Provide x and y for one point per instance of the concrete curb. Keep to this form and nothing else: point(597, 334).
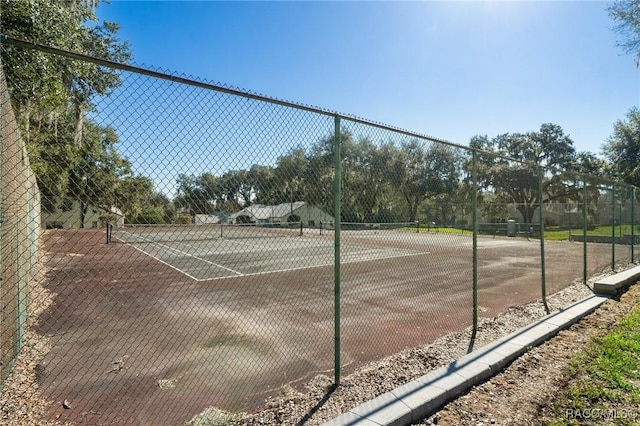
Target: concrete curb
point(423, 396)
point(613, 283)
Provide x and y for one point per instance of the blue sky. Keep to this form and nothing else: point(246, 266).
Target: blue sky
point(446, 69)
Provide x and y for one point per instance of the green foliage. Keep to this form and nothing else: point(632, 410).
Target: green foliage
point(623, 148)
point(198, 194)
point(606, 375)
point(380, 183)
point(95, 178)
point(51, 81)
point(72, 157)
point(183, 219)
point(626, 13)
point(140, 203)
point(518, 181)
point(421, 172)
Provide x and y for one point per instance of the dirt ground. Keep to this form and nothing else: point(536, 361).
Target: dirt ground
point(525, 392)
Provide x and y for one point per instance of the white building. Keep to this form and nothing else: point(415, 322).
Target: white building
point(210, 219)
point(284, 213)
point(67, 218)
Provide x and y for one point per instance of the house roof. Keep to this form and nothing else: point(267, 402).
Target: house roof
point(262, 212)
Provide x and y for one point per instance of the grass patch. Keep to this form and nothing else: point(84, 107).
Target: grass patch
point(557, 235)
point(441, 230)
point(605, 231)
point(604, 380)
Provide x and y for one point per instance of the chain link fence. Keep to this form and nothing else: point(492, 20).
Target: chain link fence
point(19, 233)
point(207, 246)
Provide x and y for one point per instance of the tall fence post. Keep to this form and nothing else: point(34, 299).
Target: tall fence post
point(633, 224)
point(541, 215)
point(474, 207)
point(584, 232)
point(613, 226)
point(337, 219)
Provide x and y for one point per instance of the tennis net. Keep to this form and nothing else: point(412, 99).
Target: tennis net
point(372, 227)
point(133, 234)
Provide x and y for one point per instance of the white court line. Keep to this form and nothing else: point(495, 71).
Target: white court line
point(359, 258)
point(168, 264)
point(186, 254)
point(310, 267)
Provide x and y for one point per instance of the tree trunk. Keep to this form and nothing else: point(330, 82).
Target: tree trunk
point(413, 210)
point(83, 213)
point(77, 135)
point(527, 210)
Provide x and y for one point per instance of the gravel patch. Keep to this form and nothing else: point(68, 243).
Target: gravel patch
point(20, 401)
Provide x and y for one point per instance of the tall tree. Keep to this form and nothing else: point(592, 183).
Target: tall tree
point(548, 147)
point(237, 188)
point(419, 172)
point(320, 171)
point(370, 181)
point(95, 181)
point(623, 148)
point(265, 185)
point(140, 203)
point(626, 13)
point(199, 194)
point(291, 178)
point(50, 94)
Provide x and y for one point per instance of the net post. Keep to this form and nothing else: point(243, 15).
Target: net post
point(417, 226)
point(301, 228)
point(109, 232)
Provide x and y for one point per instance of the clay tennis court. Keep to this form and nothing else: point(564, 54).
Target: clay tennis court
point(153, 332)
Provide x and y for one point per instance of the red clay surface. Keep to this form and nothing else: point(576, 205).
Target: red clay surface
point(135, 341)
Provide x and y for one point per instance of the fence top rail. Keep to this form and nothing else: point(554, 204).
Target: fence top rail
point(245, 94)
point(210, 86)
point(241, 93)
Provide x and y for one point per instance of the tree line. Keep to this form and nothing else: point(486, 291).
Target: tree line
point(76, 160)
point(380, 183)
point(411, 180)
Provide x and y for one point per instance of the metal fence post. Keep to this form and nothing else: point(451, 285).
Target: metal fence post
point(542, 264)
point(613, 226)
point(21, 310)
point(337, 219)
point(474, 201)
point(584, 231)
point(633, 224)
